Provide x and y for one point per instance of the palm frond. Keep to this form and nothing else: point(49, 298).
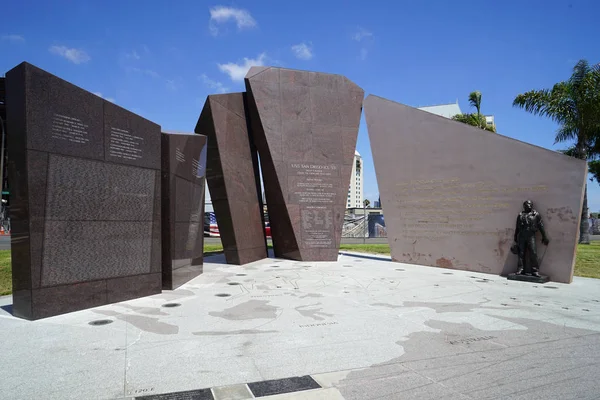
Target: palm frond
point(475, 100)
point(565, 133)
point(580, 71)
point(571, 152)
point(594, 170)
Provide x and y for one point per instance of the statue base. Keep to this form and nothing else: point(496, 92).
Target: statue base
point(528, 278)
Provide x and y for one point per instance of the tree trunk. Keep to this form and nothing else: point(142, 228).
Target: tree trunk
point(584, 227)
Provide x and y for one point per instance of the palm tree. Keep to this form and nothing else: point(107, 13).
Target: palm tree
point(475, 101)
point(575, 106)
point(477, 119)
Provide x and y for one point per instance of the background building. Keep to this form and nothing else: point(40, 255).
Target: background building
point(489, 121)
point(355, 191)
point(444, 110)
point(452, 109)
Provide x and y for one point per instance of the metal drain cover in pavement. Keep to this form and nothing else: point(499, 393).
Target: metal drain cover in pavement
point(222, 295)
point(240, 274)
point(99, 322)
point(233, 283)
point(171, 305)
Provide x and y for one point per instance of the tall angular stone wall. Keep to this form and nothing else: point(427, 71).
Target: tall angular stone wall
point(451, 192)
point(232, 178)
point(183, 169)
point(86, 197)
point(305, 126)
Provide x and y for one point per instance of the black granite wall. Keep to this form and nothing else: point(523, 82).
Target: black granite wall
point(183, 171)
point(86, 197)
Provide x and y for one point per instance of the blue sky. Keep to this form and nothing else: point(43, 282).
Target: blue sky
point(161, 59)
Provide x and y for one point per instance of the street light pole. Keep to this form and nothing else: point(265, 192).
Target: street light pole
point(364, 222)
point(2, 158)
point(2, 208)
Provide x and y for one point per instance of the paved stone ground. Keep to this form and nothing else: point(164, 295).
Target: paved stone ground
point(363, 328)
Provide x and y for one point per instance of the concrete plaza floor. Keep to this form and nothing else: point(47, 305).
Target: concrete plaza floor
point(363, 328)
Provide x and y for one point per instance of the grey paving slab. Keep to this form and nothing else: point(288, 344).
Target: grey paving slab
point(362, 327)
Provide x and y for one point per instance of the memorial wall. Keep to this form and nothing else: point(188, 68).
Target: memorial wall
point(183, 173)
point(86, 197)
point(305, 126)
point(233, 178)
point(451, 192)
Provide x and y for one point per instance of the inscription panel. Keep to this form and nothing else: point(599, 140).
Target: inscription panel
point(317, 227)
point(130, 139)
point(314, 187)
point(432, 208)
point(451, 193)
point(80, 251)
point(313, 183)
point(61, 117)
point(81, 189)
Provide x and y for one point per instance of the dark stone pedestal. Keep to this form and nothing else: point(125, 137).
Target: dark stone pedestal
point(528, 278)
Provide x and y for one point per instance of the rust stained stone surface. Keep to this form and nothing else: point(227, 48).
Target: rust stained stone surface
point(85, 197)
point(305, 126)
point(230, 175)
point(183, 169)
point(451, 192)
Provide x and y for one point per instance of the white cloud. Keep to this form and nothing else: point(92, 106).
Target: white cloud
point(76, 56)
point(363, 53)
point(222, 14)
point(303, 51)
point(361, 34)
point(133, 55)
point(148, 72)
point(105, 98)
point(215, 85)
point(13, 38)
point(237, 72)
point(171, 84)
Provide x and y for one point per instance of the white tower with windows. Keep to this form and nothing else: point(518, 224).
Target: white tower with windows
point(355, 192)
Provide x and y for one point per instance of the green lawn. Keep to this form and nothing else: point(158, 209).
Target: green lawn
point(212, 248)
point(5, 273)
point(587, 264)
point(588, 260)
point(367, 248)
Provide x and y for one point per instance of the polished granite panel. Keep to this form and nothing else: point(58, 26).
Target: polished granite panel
point(305, 126)
point(451, 192)
point(232, 178)
point(126, 138)
point(76, 186)
point(183, 172)
point(131, 287)
point(80, 251)
point(85, 189)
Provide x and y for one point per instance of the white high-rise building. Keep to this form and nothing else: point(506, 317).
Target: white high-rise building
point(355, 191)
